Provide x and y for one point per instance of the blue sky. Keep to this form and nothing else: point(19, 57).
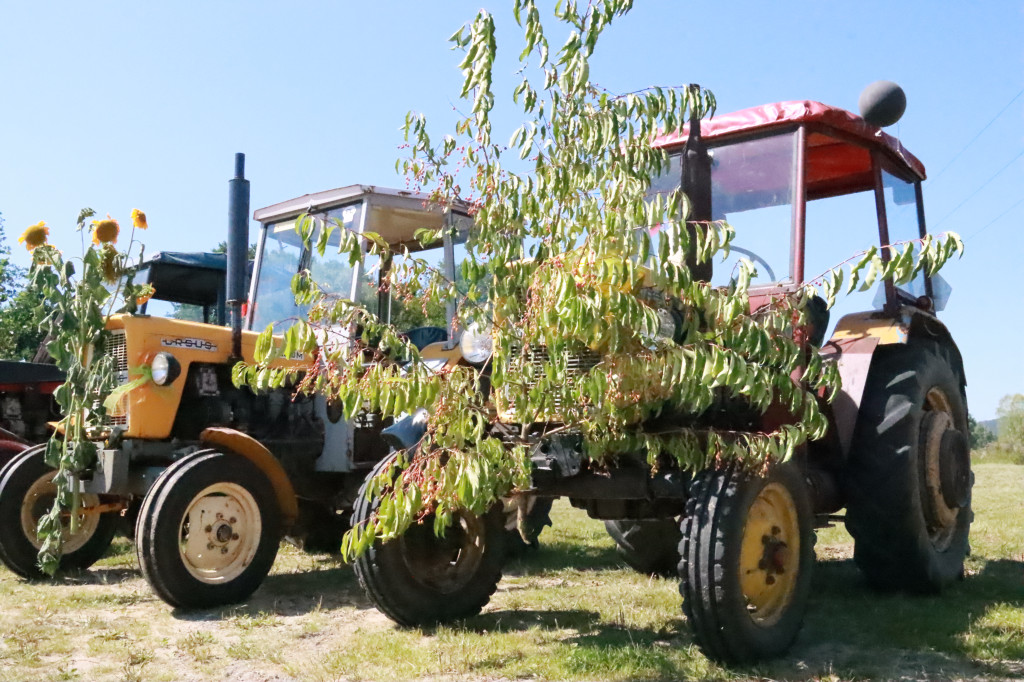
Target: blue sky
point(116, 105)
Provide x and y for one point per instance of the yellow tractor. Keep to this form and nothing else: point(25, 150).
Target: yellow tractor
point(218, 475)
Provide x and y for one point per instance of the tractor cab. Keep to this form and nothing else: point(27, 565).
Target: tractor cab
point(807, 186)
point(395, 216)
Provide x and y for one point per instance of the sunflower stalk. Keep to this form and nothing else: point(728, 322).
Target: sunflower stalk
point(82, 293)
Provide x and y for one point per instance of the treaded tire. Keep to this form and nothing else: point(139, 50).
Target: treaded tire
point(886, 495)
point(648, 546)
point(17, 550)
point(537, 519)
point(397, 581)
point(727, 622)
point(195, 486)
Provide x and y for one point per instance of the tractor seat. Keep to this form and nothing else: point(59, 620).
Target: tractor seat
point(421, 337)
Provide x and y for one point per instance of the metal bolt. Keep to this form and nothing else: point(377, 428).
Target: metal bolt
point(232, 520)
point(224, 550)
point(219, 515)
point(769, 580)
point(209, 529)
point(234, 536)
point(776, 530)
point(209, 545)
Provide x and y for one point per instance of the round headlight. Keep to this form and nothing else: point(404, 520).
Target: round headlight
point(668, 325)
point(476, 344)
point(165, 369)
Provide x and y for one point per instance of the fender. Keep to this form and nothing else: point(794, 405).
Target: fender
point(853, 345)
point(250, 448)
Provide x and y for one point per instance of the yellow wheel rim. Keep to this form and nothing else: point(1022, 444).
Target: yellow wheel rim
point(220, 533)
point(770, 554)
point(39, 500)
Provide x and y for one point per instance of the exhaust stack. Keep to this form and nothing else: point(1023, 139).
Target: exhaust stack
point(238, 251)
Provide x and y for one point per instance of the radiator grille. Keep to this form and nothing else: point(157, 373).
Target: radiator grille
point(577, 364)
point(116, 346)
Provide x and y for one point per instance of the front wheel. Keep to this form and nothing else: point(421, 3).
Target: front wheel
point(27, 492)
point(747, 555)
point(421, 579)
point(208, 531)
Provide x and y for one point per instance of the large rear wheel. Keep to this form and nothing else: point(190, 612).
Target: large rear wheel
point(649, 546)
point(421, 579)
point(27, 492)
point(208, 531)
point(908, 479)
point(747, 555)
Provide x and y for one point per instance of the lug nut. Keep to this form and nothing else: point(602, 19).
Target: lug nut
point(209, 545)
point(769, 580)
point(209, 529)
point(234, 536)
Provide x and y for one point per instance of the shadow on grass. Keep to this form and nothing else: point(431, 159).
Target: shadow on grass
point(328, 585)
point(558, 556)
point(853, 631)
point(599, 647)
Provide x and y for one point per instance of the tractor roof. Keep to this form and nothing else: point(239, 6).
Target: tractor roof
point(838, 142)
point(193, 278)
point(394, 214)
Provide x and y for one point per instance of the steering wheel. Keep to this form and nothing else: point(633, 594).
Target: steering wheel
point(756, 258)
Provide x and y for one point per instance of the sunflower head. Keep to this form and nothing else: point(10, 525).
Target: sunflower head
point(105, 231)
point(139, 219)
point(35, 235)
point(109, 263)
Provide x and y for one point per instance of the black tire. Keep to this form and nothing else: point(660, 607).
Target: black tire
point(246, 531)
point(537, 519)
point(648, 546)
point(397, 575)
point(23, 477)
point(745, 589)
point(910, 532)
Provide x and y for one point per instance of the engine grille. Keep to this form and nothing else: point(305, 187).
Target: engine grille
point(116, 346)
point(577, 364)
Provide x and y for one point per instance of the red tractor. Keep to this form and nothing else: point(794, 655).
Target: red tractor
point(896, 455)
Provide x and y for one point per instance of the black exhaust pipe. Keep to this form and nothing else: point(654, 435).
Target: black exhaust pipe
point(238, 251)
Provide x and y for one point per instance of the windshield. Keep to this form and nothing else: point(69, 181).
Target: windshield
point(752, 188)
point(406, 315)
point(902, 220)
point(283, 256)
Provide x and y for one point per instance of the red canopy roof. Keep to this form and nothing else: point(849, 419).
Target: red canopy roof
point(822, 115)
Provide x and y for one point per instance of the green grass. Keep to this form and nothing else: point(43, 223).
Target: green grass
point(569, 611)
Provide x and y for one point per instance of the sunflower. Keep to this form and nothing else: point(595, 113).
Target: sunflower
point(35, 235)
point(105, 231)
point(139, 219)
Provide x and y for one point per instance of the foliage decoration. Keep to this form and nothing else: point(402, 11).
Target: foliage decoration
point(81, 293)
point(569, 259)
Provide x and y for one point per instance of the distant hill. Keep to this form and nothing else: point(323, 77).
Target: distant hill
point(992, 425)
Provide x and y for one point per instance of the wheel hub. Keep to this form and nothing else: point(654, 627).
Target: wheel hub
point(38, 501)
point(946, 474)
point(955, 469)
point(769, 555)
point(220, 533)
point(444, 564)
